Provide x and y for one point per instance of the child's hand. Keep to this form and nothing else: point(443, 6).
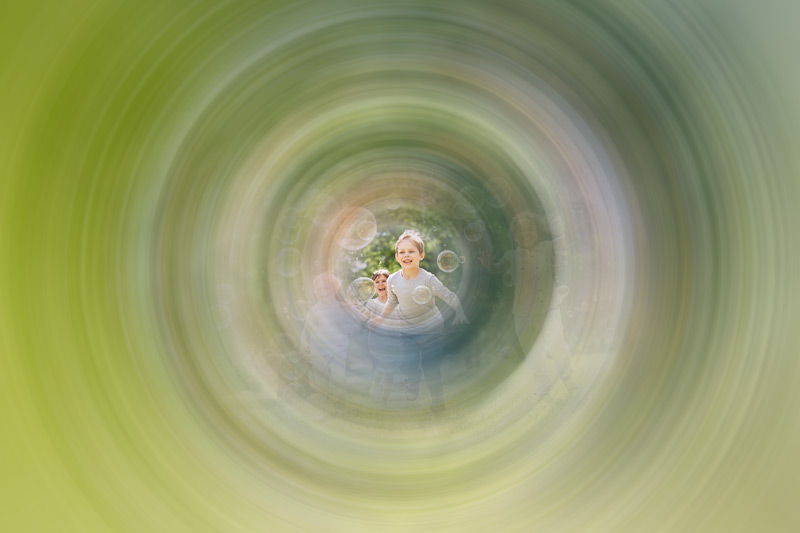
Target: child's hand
point(460, 319)
point(486, 258)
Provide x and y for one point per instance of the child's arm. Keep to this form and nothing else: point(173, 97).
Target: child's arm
point(451, 299)
point(388, 308)
point(487, 259)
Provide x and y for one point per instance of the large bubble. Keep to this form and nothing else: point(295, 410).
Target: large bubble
point(447, 261)
point(361, 290)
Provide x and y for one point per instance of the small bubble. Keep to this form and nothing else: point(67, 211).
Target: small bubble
point(421, 295)
point(393, 203)
point(360, 231)
point(447, 261)
point(475, 230)
point(462, 259)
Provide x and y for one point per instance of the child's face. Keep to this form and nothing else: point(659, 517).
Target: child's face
point(380, 286)
point(408, 255)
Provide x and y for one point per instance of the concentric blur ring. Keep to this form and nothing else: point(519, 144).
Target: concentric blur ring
point(179, 175)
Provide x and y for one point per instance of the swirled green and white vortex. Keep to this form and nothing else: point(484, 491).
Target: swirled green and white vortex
point(606, 188)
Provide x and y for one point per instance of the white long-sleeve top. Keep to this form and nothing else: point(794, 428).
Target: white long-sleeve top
point(418, 316)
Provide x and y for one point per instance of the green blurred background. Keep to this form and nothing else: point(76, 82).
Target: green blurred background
point(173, 174)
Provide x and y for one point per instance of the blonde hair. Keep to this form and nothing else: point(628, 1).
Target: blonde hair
point(380, 272)
point(414, 237)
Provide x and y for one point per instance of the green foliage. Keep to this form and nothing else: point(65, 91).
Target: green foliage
point(437, 232)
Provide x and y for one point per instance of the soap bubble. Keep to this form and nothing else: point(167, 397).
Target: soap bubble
point(366, 229)
point(360, 230)
point(475, 230)
point(447, 261)
point(288, 262)
point(393, 203)
point(421, 295)
point(462, 259)
point(361, 290)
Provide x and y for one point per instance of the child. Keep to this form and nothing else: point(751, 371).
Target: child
point(383, 342)
point(326, 335)
point(532, 272)
point(413, 291)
